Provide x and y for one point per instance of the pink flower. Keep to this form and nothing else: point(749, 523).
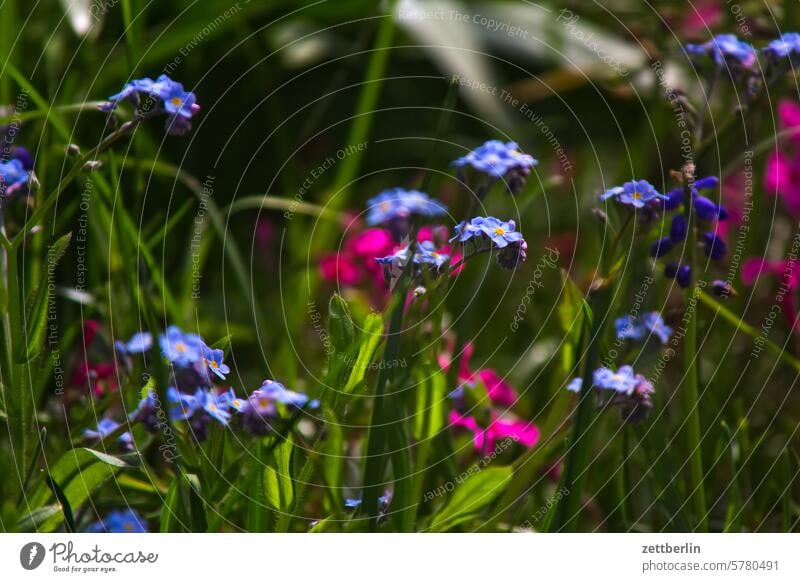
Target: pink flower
point(339, 268)
point(787, 273)
point(703, 15)
point(782, 173)
point(499, 391)
point(485, 439)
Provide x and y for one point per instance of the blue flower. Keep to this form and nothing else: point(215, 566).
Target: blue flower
point(233, 401)
point(628, 327)
point(575, 385)
point(180, 406)
point(104, 428)
point(498, 160)
point(715, 247)
point(139, 343)
point(13, 177)
point(213, 359)
point(681, 273)
point(787, 45)
point(425, 254)
point(355, 502)
point(623, 380)
point(661, 247)
point(654, 323)
point(179, 105)
point(467, 230)
point(279, 393)
point(499, 232)
point(217, 406)
point(398, 203)
point(181, 349)
point(724, 50)
point(637, 193)
point(120, 521)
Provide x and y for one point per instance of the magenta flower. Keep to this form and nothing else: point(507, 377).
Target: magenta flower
point(485, 439)
point(782, 173)
point(787, 273)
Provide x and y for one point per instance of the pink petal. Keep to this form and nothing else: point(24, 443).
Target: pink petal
point(525, 433)
point(499, 391)
point(371, 243)
point(789, 114)
point(340, 269)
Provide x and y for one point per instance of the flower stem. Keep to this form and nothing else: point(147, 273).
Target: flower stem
point(691, 404)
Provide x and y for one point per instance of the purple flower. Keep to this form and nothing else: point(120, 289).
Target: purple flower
point(715, 247)
point(678, 228)
point(725, 50)
point(721, 288)
point(661, 247)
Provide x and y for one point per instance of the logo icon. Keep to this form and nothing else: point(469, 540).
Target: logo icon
point(31, 555)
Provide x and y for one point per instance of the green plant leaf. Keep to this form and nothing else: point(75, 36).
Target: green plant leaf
point(470, 496)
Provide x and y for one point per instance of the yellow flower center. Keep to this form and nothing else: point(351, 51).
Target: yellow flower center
point(499, 231)
point(637, 195)
point(181, 347)
point(213, 364)
point(385, 205)
point(176, 101)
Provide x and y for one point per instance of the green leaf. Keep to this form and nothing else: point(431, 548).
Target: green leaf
point(184, 509)
point(38, 303)
point(340, 326)
point(34, 520)
point(470, 496)
point(77, 474)
point(277, 479)
point(371, 336)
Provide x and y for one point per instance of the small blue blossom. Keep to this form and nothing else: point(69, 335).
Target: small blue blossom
point(467, 230)
point(279, 393)
point(179, 105)
point(499, 232)
point(231, 400)
point(714, 246)
point(623, 380)
point(355, 502)
point(661, 247)
point(181, 349)
point(213, 359)
point(629, 327)
point(217, 406)
point(104, 428)
point(724, 50)
point(498, 160)
point(637, 193)
point(787, 46)
point(654, 323)
point(139, 343)
point(678, 228)
point(120, 521)
point(575, 385)
point(398, 203)
point(13, 177)
point(425, 254)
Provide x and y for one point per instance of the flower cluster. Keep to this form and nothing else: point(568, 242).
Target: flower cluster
point(488, 424)
point(499, 161)
point(740, 59)
point(489, 233)
point(707, 212)
point(782, 172)
point(120, 521)
point(643, 326)
point(630, 391)
point(395, 208)
point(165, 96)
point(192, 395)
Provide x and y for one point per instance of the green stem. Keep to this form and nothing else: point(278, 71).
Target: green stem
point(690, 393)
